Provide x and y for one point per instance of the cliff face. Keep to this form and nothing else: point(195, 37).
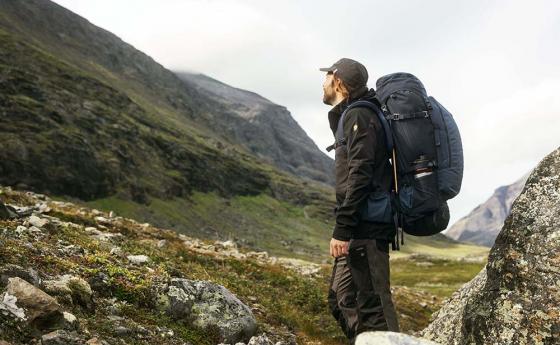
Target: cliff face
point(516, 298)
point(483, 224)
point(266, 129)
point(158, 92)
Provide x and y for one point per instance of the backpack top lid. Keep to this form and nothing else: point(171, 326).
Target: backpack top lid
point(390, 83)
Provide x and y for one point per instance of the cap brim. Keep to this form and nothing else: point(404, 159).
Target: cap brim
point(327, 69)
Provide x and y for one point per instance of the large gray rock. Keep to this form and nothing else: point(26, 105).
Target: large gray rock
point(516, 298)
point(41, 310)
point(208, 305)
point(390, 338)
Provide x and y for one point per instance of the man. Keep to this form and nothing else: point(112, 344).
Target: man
point(360, 295)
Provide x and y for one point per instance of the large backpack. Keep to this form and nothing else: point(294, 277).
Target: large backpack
point(426, 153)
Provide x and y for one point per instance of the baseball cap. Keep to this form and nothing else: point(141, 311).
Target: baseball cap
point(351, 72)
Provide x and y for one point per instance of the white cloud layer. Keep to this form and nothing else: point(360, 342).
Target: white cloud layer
point(493, 64)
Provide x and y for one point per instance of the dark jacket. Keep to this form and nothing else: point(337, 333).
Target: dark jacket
point(361, 167)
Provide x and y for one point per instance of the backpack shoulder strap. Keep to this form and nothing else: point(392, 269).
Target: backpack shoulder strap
point(380, 115)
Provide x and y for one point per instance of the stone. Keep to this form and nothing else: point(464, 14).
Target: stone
point(38, 222)
point(226, 245)
point(6, 212)
point(61, 337)
point(8, 306)
point(390, 338)
point(302, 267)
point(515, 299)
point(260, 340)
point(122, 331)
point(3, 342)
point(96, 341)
point(208, 305)
point(42, 311)
point(72, 289)
point(28, 274)
point(180, 302)
point(70, 321)
point(138, 259)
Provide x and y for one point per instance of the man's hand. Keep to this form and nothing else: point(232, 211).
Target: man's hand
point(339, 248)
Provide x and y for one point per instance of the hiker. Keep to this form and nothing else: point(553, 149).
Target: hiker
point(359, 294)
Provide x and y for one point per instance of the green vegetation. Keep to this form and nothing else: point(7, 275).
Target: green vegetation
point(282, 300)
point(257, 222)
point(440, 277)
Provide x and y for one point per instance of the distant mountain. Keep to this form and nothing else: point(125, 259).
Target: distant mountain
point(266, 129)
point(482, 225)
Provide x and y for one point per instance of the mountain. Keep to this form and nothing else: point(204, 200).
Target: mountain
point(92, 49)
point(88, 118)
point(266, 129)
point(482, 225)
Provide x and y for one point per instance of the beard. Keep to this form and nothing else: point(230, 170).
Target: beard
point(328, 97)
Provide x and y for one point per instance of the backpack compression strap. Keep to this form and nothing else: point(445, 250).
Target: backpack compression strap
point(386, 129)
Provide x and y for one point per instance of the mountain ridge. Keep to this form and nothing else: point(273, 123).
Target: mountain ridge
point(107, 57)
point(483, 223)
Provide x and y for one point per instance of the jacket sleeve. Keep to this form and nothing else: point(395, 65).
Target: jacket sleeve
point(360, 144)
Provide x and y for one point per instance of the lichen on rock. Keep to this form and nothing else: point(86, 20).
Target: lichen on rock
point(516, 298)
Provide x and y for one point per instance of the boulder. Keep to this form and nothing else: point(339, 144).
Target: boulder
point(211, 306)
point(516, 298)
point(71, 289)
point(390, 338)
point(28, 274)
point(41, 310)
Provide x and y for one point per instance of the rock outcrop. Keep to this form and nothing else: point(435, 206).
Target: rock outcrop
point(266, 129)
point(516, 298)
point(482, 225)
point(211, 306)
point(33, 305)
point(390, 338)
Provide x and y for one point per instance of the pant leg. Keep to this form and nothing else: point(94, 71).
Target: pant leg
point(369, 263)
point(342, 298)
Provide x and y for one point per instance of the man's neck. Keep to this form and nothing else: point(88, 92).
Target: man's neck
point(339, 99)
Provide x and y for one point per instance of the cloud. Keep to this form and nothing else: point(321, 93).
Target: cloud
point(494, 65)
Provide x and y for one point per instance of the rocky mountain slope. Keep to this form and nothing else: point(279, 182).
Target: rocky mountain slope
point(75, 275)
point(75, 40)
point(482, 225)
point(515, 299)
point(86, 117)
point(268, 130)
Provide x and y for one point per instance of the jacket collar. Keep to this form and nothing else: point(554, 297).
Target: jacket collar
point(336, 112)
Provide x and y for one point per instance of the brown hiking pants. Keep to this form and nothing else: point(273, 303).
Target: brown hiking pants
point(360, 294)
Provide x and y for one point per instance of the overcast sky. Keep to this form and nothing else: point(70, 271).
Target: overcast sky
point(494, 64)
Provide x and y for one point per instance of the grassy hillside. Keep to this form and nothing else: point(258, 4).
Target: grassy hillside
point(284, 302)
